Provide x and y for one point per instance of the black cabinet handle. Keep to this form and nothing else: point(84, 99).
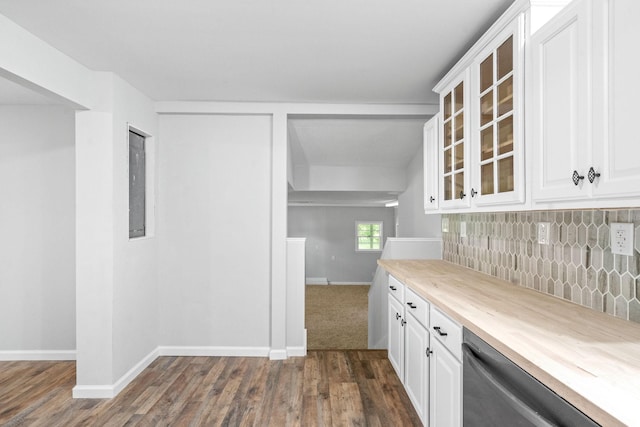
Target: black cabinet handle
point(429, 351)
point(592, 175)
point(462, 194)
point(411, 305)
point(473, 192)
point(437, 329)
point(431, 199)
point(393, 288)
point(576, 177)
point(402, 322)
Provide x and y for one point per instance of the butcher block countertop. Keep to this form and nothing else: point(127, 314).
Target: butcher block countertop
point(591, 359)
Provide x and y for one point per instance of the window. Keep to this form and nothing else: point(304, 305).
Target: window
point(137, 185)
point(368, 236)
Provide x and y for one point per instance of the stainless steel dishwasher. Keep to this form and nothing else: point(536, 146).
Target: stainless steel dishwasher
point(496, 392)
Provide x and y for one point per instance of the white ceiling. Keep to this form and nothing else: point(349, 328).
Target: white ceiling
point(343, 51)
point(335, 51)
point(387, 142)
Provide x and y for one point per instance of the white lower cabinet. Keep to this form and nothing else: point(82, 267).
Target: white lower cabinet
point(445, 387)
point(416, 366)
point(396, 336)
point(425, 349)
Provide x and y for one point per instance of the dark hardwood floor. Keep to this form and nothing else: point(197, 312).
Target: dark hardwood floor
point(326, 388)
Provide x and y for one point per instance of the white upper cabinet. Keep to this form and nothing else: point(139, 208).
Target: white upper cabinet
point(583, 94)
point(431, 170)
point(497, 138)
point(481, 131)
point(454, 144)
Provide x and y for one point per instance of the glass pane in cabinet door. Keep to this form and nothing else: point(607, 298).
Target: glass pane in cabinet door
point(486, 179)
point(486, 108)
point(459, 163)
point(505, 96)
point(486, 143)
point(505, 58)
point(505, 135)
point(486, 73)
point(458, 181)
point(447, 160)
point(447, 106)
point(459, 126)
point(458, 97)
point(505, 174)
point(447, 134)
point(447, 187)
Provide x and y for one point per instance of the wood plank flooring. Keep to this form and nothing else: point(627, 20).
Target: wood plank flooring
point(326, 388)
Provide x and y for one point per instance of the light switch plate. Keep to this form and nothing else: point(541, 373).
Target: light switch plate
point(445, 225)
point(544, 229)
point(621, 236)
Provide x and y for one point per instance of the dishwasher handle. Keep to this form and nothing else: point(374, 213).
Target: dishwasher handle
point(515, 402)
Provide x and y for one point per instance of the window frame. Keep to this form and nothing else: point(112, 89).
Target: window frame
point(149, 187)
point(357, 236)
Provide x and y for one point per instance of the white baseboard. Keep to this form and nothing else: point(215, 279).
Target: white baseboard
point(380, 345)
point(278, 354)
point(213, 351)
point(296, 351)
point(110, 391)
point(316, 281)
point(93, 392)
point(349, 283)
point(40, 355)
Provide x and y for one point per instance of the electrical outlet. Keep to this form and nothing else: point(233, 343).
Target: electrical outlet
point(463, 229)
point(544, 229)
point(621, 236)
point(445, 225)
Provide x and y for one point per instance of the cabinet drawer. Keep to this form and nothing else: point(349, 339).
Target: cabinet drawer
point(417, 306)
point(396, 288)
point(447, 332)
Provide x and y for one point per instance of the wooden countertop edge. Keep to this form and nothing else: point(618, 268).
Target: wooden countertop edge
point(578, 400)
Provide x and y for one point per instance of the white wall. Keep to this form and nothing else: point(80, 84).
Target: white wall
point(412, 221)
point(116, 292)
point(214, 230)
point(330, 246)
point(37, 229)
point(135, 296)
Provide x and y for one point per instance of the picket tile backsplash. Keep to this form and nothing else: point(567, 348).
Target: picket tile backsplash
point(576, 265)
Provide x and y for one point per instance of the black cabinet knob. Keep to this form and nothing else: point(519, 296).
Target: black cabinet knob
point(462, 195)
point(431, 199)
point(576, 177)
point(592, 175)
point(402, 322)
point(473, 192)
point(397, 316)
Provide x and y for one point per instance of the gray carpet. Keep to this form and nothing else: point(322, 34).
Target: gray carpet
point(336, 317)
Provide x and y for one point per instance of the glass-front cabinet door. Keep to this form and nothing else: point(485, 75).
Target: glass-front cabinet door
point(454, 146)
point(498, 142)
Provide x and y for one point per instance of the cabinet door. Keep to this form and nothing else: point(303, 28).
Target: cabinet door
point(396, 336)
point(416, 367)
point(559, 112)
point(454, 147)
point(616, 145)
point(497, 145)
point(431, 143)
point(445, 403)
